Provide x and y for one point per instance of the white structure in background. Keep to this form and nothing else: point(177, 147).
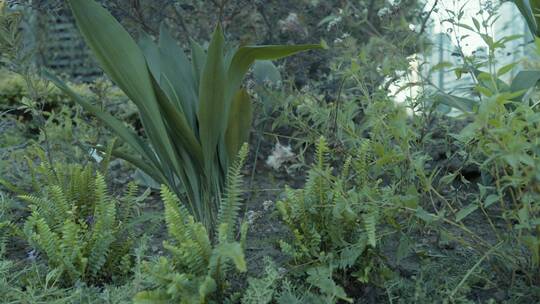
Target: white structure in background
point(509, 23)
point(444, 48)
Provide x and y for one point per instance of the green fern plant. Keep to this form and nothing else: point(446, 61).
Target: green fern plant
point(75, 224)
point(262, 290)
point(197, 268)
point(333, 219)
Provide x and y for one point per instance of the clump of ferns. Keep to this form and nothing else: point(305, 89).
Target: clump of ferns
point(196, 269)
point(333, 219)
point(77, 227)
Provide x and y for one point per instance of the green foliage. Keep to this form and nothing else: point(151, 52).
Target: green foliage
point(262, 290)
point(10, 36)
point(22, 282)
point(350, 199)
point(194, 114)
point(75, 224)
point(197, 270)
point(509, 159)
point(529, 10)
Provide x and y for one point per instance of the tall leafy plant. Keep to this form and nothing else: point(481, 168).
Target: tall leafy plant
point(195, 115)
point(530, 9)
point(197, 270)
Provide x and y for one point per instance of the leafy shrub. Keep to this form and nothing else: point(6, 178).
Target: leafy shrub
point(333, 221)
point(508, 157)
point(78, 227)
point(197, 269)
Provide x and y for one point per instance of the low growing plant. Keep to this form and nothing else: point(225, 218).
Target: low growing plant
point(333, 221)
point(81, 231)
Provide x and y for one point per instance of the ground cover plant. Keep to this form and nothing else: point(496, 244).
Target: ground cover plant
point(343, 159)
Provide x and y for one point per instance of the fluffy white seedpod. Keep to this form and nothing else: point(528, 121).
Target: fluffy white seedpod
point(280, 155)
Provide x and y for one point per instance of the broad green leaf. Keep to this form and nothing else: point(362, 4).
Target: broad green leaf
point(117, 126)
point(241, 61)
point(124, 63)
point(483, 90)
point(490, 199)
point(465, 26)
point(212, 112)
point(117, 53)
point(425, 216)
point(505, 69)
point(239, 123)
point(490, 81)
point(464, 104)
point(151, 53)
point(177, 124)
point(178, 71)
point(529, 10)
point(476, 24)
point(173, 112)
point(198, 61)
point(246, 55)
point(523, 81)
point(463, 213)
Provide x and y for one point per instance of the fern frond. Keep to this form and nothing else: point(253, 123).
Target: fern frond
point(70, 247)
point(46, 239)
point(227, 252)
point(362, 162)
point(152, 297)
point(103, 228)
point(176, 216)
point(321, 153)
point(370, 226)
point(346, 168)
point(104, 165)
point(230, 204)
point(261, 290)
point(61, 204)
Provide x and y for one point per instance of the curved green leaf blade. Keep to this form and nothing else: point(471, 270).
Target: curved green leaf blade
point(239, 124)
point(198, 61)
point(529, 10)
point(523, 81)
point(245, 56)
point(124, 63)
point(176, 67)
point(125, 134)
point(212, 112)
